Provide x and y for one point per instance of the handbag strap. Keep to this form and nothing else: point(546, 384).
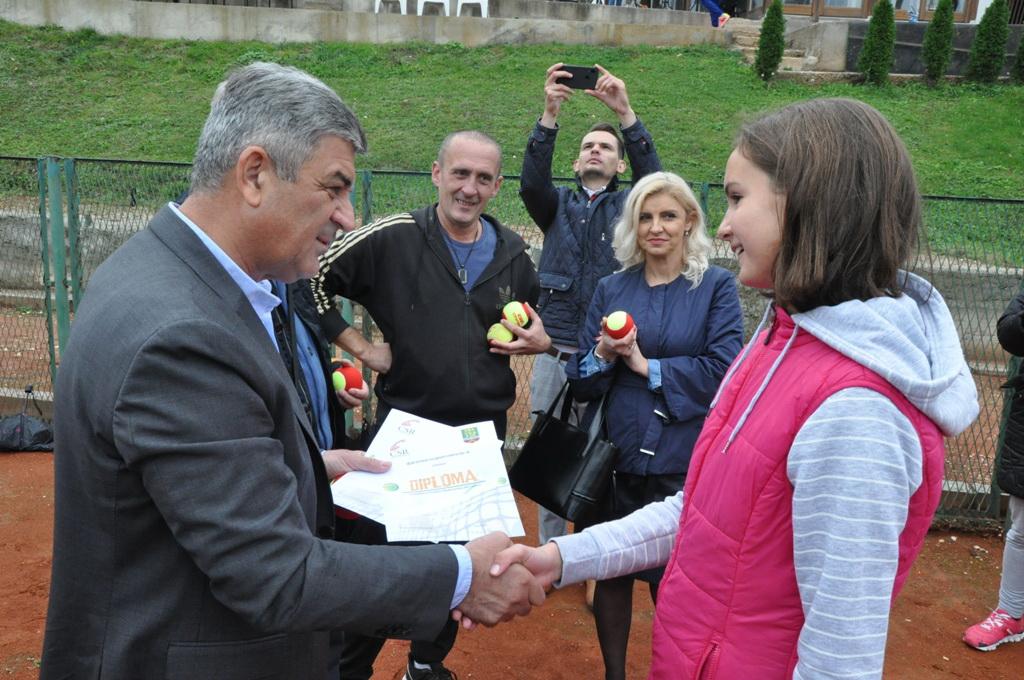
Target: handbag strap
point(566, 405)
point(598, 422)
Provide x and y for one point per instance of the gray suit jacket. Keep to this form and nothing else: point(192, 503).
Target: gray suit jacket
point(189, 492)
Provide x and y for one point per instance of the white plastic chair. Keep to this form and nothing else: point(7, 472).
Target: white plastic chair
point(401, 5)
point(420, 4)
point(482, 3)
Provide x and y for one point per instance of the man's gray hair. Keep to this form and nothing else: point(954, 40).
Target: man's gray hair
point(282, 109)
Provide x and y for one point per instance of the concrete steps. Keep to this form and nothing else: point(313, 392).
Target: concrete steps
point(745, 34)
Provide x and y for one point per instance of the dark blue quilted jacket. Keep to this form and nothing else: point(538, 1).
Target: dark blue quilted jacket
point(577, 231)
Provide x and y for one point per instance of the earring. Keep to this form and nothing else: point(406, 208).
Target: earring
point(686, 233)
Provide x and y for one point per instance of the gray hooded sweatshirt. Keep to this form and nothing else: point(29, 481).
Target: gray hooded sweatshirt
point(854, 465)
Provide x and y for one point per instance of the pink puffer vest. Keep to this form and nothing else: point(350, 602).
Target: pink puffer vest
point(728, 606)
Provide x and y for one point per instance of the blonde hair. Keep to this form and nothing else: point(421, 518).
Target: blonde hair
point(697, 243)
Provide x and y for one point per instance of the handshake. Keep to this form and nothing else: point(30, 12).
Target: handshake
point(508, 579)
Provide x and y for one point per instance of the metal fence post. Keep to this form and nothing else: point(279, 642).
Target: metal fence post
point(705, 189)
point(44, 255)
point(71, 186)
point(57, 250)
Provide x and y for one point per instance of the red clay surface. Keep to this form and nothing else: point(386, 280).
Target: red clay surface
point(952, 585)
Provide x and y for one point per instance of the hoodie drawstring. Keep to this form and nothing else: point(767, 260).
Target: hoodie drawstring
point(743, 355)
point(761, 389)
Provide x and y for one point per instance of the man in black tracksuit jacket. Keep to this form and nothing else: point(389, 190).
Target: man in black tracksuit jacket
point(434, 280)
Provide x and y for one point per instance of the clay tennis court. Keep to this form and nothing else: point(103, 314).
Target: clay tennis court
point(951, 585)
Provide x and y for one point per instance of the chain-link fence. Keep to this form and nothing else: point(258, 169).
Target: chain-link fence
point(25, 356)
point(975, 258)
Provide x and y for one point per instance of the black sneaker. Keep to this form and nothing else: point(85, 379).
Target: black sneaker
point(436, 671)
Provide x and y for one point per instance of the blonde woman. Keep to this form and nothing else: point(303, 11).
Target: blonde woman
point(662, 375)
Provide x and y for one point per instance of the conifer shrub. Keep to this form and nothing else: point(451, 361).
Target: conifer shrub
point(772, 43)
point(876, 56)
point(938, 42)
point(988, 51)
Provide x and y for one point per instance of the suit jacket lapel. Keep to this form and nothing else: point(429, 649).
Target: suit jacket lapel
point(179, 238)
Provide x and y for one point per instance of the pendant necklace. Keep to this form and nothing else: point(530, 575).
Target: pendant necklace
point(463, 275)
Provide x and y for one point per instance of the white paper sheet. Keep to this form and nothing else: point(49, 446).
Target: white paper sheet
point(445, 483)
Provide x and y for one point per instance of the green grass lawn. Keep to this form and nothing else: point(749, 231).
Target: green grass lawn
point(85, 95)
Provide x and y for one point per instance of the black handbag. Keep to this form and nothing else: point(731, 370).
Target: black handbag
point(23, 432)
point(563, 468)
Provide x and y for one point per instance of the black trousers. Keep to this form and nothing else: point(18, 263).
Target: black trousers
point(358, 652)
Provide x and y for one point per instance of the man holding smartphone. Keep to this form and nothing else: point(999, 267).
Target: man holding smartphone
point(577, 221)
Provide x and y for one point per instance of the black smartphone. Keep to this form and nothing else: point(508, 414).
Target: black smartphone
point(583, 77)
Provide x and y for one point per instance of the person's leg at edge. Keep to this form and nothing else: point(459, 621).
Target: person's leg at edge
point(1006, 623)
point(548, 377)
point(1011, 587)
point(714, 11)
point(426, 657)
point(613, 615)
point(432, 654)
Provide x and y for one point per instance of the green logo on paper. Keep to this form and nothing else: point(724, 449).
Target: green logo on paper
point(391, 486)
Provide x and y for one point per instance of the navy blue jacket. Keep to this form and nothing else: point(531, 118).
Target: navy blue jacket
point(577, 232)
point(694, 333)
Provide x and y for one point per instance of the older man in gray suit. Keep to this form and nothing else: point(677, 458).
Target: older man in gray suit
point(192, 504)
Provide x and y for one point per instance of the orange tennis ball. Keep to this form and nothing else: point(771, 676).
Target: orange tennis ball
point(499, 333)
point(618, 324)
point(346, 378)
point(515, 314)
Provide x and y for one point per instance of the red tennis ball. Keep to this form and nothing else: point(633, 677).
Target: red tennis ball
point(618, 324)
point(347, 378)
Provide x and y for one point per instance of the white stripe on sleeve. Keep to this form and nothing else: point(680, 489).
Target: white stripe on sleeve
point(854, 465)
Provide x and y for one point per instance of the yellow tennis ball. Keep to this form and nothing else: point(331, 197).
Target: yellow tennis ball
point(515, 314)
point(338, 379)
point(618, 324)
point(499, 333)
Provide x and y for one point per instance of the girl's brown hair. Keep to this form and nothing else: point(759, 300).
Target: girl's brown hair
point(852, 209)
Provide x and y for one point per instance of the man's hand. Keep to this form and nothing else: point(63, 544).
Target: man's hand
point(545, 563)
point(493, 599)
point(340, 461)
point(531, 340)
point(611, 91)
point(554, 95)
point(352, 397)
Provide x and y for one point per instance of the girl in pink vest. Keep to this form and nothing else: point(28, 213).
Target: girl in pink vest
point(818, 470)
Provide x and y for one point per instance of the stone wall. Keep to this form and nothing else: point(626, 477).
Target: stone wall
point(910, 37)
point(547, 22)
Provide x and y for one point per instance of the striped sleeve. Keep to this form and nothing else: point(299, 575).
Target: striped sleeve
point(638, 541)
point(854, 465)
point(349, 269)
